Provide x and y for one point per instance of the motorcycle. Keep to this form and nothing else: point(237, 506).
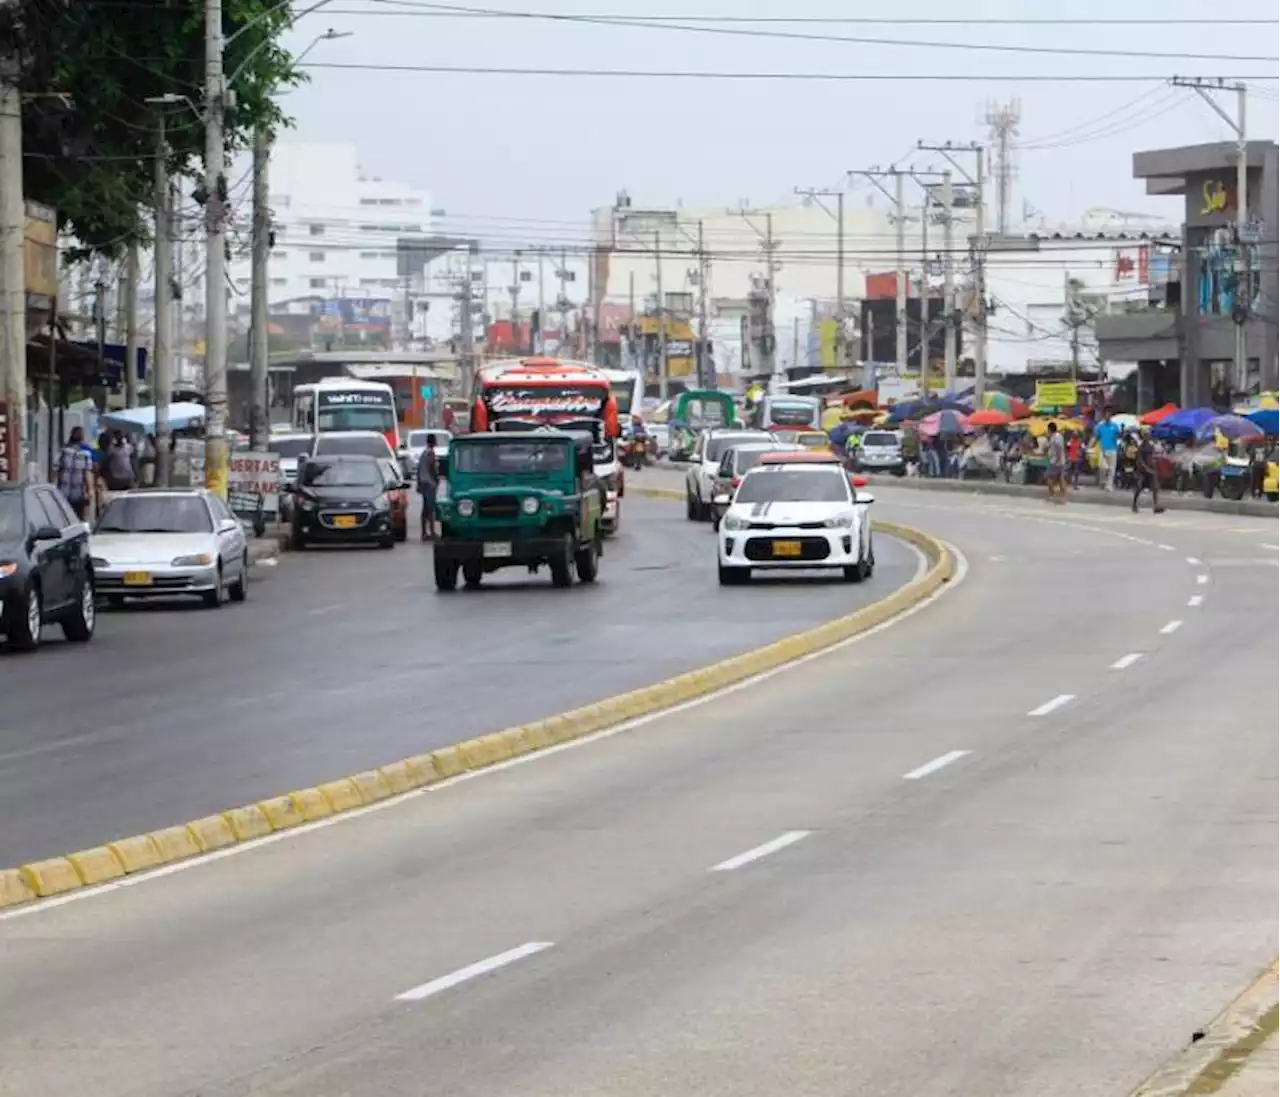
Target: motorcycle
point(635, 452)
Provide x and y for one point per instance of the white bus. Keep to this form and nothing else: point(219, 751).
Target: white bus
point(627, 386)
point(341, 403)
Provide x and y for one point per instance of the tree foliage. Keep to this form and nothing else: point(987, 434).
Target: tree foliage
point(87, 69)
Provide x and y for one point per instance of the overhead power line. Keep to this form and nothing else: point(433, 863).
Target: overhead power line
point(689, 26)
point(697, 74)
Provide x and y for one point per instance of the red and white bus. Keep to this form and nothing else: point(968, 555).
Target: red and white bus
point(341, 403)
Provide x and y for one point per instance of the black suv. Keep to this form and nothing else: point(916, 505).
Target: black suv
point(46, 575)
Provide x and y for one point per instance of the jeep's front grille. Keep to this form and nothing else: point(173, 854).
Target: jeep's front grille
point(499, 506)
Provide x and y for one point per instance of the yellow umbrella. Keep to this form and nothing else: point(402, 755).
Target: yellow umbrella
point(1039, 424)
point(831, 418)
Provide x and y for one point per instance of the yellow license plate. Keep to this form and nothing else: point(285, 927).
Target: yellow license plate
point(786, 548)
point(137, 578)
point(345, 521)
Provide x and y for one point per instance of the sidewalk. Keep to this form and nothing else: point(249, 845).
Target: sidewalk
point(1253, 508)
point(1260, 1075)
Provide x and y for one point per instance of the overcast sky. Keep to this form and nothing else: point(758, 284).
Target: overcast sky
point(551, 148)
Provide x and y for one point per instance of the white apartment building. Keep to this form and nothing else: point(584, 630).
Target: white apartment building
point(336, 227)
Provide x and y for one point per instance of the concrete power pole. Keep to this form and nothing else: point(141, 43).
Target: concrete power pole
point(131, 327)
point(900, 309)
point(664, 376)
point(948, 284)
point(467, 331)
point(259, 305)
point(815, 196)
point(706, 362)
point(162, 345)
point(13, 285)
point(215, 269)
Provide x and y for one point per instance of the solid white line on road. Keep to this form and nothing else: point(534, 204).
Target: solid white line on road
point(1126, 661)
point(1172, 626)
point(1049, 706)
point(472, 971)
point(1195, 600)
point(1264, 544)
point(1202, 579)
point(1165, 548)
point(781, 842)
point(1193, 561)
point(935, 765)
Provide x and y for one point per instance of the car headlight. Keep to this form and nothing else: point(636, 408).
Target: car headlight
point(96, 561)
point(840, 521)
point(200, 560)
point(382, 502)
point(466, 508)
point(8, 569)
point(529, 504)
point(734, 523)
point(308, 504)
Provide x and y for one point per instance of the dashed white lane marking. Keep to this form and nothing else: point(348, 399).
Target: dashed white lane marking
point(320, 611)
point(935, 765)
point(1165, 548)
point(1056, 703)
point(473, 971)
point(1193, 561)
point(780, 842)
point(1263, 544)
point(1126, 661)
point(1202, 579)
point(1195, 600)
point(1172, 626)
point(269, 562)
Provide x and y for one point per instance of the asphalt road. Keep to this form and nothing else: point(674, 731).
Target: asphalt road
point(347, 659)
point(1050, 914)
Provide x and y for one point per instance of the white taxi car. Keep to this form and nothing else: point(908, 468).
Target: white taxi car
point(796, 511)
point(704, 464)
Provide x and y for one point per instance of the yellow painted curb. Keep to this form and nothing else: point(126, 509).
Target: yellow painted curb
point(278, 813)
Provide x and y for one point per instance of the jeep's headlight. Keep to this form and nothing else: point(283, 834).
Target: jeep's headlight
point(732, 523)
point(529, 504)
point(200, 560)
point(840, 521)
point(466, 508)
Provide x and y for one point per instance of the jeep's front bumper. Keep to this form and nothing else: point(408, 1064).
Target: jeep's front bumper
point(524, 550)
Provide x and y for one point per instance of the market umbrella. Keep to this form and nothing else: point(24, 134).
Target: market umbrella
point(921, 409)
point(946, 423)
point(1235, 427)
point(1262, 401)
point(863, 397)
point(1040, 424)
point(1182, 425)
point(1157, 415)
point(989, 417)
point(840, 433)
point(1125, 421)
point(181, 416)
point(1010, 405)
point(1266, 419)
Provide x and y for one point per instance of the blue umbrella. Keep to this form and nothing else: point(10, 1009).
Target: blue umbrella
point(1182, 425)
point(1266, 419)
point(1233, 426)
point(181, 416)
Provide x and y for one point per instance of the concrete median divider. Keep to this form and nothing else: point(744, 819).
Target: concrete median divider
point(114, 860)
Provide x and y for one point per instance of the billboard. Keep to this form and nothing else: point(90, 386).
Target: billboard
point(40, 256)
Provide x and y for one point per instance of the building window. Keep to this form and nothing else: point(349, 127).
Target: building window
point(317, 257)
point(318, 283)
point(279, 255)
point(316, 230)
point(279, 281)
point(368, 201)
point(371, 254)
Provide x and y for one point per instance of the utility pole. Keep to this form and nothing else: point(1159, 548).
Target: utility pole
point(515, 295)
point(706, 362)
point(542, 307)
point(948, 285)
point(816, 196)
point(664, 379)
point(131, 327)
point(13, 285)
point(1240, 313)
point(978, 249)
point(900, 309)
point(467, 330)
point(925, 327)
point(768, 337)
point(215, 268)
point(259, 306)
point(562, 274)
point(161, 362)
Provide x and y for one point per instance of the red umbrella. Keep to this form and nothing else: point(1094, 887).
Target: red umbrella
point(948, 423)
point(989, 417)
point(1151, 418)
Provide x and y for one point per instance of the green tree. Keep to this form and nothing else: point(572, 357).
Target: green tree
point(88, 68)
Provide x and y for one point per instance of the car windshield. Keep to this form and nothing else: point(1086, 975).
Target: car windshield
point(318, 473)
point(156, 514)
point(289, 448)
point(356, 418)
point(372, 445)
point(879, 438)
point(788, 436)
point(623, 393)
point(418, 439)
point(717, 446)
point(12, 525)
point(793, 486)
point(748, 458)
point(508, 457)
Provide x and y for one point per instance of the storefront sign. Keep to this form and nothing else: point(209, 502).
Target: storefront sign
point(253, 483)
point(40, 256)
point(1056, 394)
point(1217, 196)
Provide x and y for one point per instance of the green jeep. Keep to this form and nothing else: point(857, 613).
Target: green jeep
point(519, 498)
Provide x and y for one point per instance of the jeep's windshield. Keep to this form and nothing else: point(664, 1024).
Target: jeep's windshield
point(511, 457)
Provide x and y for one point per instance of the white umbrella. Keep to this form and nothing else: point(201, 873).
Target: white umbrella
point(181, 416)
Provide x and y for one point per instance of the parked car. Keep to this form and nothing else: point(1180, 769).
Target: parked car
point(162, 542)
point(733, 467)
point(418, 442)
point(343, 499)
point(881, 451)
point(352, 443)
point(46, 574)
point(699, 478)
point(290, 447)
point(397, 487)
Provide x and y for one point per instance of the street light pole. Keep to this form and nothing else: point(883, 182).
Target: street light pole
point(215, 339)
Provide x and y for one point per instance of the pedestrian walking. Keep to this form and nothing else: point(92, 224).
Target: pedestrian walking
point(1056, 476)
point(1075, 458)
point(1107, 434)
point(1144, 474)
point(117, 465)
point(75, 473)
point(428, 476)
